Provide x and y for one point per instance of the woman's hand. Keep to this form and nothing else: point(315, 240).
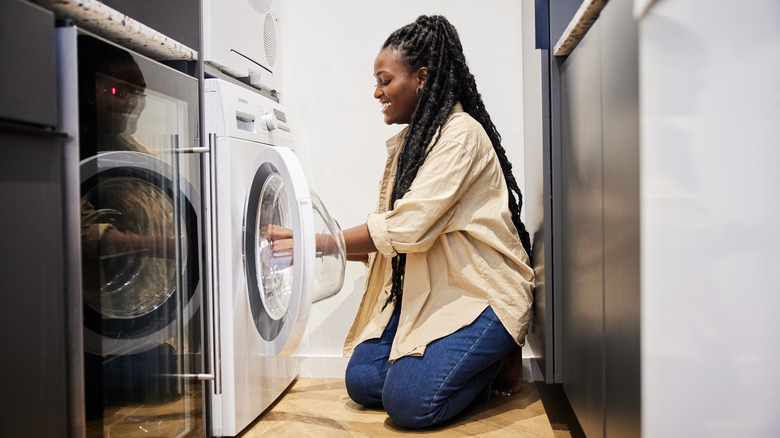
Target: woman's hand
point(325, 246)
point(282, 247)
point(278, 254)
point(275, 232)
point(281, 239)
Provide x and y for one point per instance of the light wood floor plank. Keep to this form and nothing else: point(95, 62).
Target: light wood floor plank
point(321, 408)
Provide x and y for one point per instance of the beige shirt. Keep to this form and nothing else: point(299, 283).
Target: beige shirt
point(462, 249)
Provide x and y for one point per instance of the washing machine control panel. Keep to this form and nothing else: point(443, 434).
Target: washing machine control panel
point(238, 112)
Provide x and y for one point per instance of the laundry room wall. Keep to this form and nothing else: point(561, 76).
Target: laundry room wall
point(327, 51)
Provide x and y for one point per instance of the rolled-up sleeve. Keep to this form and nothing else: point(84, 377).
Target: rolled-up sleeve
point(427, 209)
point(377, 228)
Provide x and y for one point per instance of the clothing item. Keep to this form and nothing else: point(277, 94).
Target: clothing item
point(463, 252)
point(417, 392)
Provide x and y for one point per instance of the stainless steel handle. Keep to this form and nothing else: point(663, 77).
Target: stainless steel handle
point(200, 376)
point(195, 150)
point(215, 307)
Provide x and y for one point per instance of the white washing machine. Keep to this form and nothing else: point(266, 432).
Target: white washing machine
point(260, 300)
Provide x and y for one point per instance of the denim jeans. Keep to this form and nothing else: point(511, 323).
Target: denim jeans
point(420, 391)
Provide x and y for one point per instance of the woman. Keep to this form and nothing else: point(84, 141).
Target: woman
point(448, 293)
point(449, 289)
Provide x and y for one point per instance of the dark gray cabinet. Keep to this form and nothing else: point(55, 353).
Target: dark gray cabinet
point(582, 256)
point(33, 271)
point(594, 188)
point(620, 149)
point(28, 79)
point(32, 279)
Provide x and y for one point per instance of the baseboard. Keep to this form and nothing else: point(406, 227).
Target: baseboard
point(531, 370)
point(333, 367)
point(322, 367)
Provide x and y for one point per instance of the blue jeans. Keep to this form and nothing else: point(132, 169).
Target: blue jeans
point(420, 391)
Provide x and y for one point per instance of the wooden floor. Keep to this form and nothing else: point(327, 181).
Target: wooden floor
point(321, 408)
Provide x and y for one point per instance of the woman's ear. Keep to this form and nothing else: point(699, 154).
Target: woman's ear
point(422, 76)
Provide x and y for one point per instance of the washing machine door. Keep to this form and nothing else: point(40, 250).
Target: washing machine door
point(330, 259)
point(139, 252)
point(281, 250)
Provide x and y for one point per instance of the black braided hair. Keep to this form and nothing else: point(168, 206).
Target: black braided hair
point(432, 42)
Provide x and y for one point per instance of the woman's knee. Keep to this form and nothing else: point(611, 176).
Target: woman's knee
point(409, 408)
point(364, 386)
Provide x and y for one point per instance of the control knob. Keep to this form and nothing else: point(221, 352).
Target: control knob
point(270, 121)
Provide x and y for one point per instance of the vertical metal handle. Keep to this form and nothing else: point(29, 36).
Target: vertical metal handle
point(215, 307)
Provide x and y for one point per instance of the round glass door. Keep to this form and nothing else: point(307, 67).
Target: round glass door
point(330, 257)
point(276, 248)
point(136, 274)
point(293, 251)
point(139, 253)
point(274, 267)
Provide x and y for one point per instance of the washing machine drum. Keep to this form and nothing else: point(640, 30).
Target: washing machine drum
point(282, 284)
point(139, 252)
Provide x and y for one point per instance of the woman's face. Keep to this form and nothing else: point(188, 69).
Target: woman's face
point(119, 98)
point(396, 87)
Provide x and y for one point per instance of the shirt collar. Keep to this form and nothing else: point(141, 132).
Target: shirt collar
point(458, 108)
point(398, 139)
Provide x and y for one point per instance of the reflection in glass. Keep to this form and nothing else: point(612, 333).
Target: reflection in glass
point(139, 238)
point(135, 269)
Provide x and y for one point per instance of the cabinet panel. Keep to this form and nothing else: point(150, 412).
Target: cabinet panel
point(582, 245)
point(620, 110)
point(32, 317)
point(28, 83)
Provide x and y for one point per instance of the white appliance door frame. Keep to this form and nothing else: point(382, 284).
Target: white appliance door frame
point(280, 337)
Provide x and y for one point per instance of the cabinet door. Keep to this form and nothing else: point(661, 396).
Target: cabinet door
point(600, 232)
point(28, 83)
point(32, 279)
point(620, 114)
point(141, 239)
point(582, 240)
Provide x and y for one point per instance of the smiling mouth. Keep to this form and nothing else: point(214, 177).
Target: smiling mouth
point(385, 106)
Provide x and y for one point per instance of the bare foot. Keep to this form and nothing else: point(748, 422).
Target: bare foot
point(510, 379)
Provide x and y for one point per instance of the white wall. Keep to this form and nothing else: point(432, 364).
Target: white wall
point(533, 193)
point(710, 173)
point(327, 51)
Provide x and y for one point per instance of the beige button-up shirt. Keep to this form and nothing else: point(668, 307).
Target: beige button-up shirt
point(462, 249)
